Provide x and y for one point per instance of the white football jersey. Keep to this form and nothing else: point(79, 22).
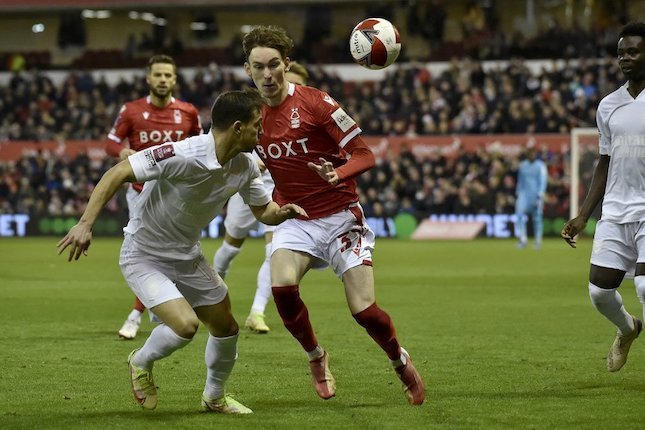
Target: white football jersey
point(185, 188)
point(266, 176)
point(621, 123)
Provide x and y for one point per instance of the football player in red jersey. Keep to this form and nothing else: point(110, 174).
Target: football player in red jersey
point(305, 137)
point(146, 122)
point(240, 221)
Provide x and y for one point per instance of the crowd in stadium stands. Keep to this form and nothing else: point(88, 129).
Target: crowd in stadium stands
point(409, 102)
point(471, 183)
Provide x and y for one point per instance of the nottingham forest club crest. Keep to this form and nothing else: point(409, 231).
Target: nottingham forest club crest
point(177, 116)
point(295, 118)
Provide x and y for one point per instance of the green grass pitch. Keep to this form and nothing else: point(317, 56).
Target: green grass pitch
point(505, 338)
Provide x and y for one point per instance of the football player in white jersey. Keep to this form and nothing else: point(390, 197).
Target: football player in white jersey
point(619, 179)
point(240, 221)
point(186, 185)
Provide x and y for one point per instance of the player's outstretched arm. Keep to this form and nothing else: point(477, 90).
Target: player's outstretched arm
point(274, 214)
point(596, 191)
point(79, 237)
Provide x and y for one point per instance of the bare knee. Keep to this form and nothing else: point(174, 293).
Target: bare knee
point(224, 327)
point(606, 278)
point(186, 327)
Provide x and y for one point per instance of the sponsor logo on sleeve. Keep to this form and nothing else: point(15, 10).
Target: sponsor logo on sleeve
point(344, 121)
point(150, 159)
point(163, 152)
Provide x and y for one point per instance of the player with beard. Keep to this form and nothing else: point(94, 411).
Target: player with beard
point(145, 122)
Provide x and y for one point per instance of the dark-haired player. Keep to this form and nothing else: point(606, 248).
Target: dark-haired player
point(619, 179)
point(186, 185)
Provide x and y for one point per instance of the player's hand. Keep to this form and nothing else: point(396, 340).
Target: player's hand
point(125, 153)
point(571, 229)
point(325, 170)
point(78, 238)
point(291, 210)
point(261, 166)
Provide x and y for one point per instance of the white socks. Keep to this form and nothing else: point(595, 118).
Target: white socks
point(610, 304)
point(223, 258)
point(162, 342)
point(639, 282)
point(220, 356)
point(263, 291)
point(316, 353)
point(135, 315)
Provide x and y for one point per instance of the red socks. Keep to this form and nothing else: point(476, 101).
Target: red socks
point(138, 305)
point(379, 326)
point(294, 315)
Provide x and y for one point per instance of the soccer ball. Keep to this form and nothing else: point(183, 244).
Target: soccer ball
point(375, 43)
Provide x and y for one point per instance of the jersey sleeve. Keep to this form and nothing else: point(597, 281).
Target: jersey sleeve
point(120, 131)
point(335, 121)
point(162, 161)
point(255, 194)
point(604, 137)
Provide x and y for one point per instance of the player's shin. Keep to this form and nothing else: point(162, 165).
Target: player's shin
point(162, 342)
point(378, 325)
point(295, 315)
point(639, 282)
point(220, 356)
point(223, 258)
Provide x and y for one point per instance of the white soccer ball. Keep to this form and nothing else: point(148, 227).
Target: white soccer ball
point(375, 43)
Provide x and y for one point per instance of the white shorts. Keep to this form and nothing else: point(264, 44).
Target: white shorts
point(342, 240)
point(619, 246)
point(240, 220)
point(155, 281)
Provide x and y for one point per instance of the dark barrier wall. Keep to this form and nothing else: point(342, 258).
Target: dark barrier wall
point(496, 226)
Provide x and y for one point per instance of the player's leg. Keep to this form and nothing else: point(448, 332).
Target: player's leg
point(287, 269)
point(255, 320)
point(359, 290)
point(208, 295)
point(131, 325)
point(179, 325)
point(220, 356)
point(149, 281)
point(520, 220)
point(225, 254)
point(639, 283)
point(350, 253)
point(612, 256)
point(538, 223)
point(639, 278)
point(239, 221)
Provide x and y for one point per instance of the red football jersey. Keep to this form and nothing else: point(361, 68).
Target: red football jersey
point(307, 125)
point(144, 125)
